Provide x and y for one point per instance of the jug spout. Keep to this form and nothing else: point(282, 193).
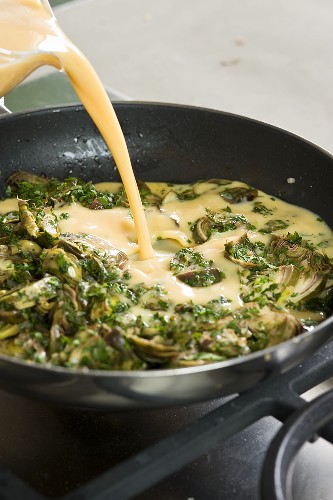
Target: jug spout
point(14, 68)
point(29, 38)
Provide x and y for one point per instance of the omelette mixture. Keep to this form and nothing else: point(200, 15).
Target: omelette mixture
point(234, 271)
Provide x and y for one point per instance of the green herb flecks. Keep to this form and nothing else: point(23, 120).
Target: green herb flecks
point(273, 225)
point(218, 222)
point(260, 208)
point(192, 268)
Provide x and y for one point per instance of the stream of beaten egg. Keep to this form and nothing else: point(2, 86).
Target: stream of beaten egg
point(31, 37)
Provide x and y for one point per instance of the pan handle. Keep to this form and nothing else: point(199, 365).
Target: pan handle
point(3, 109)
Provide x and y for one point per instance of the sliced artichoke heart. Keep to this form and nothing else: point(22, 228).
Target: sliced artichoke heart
point(246, 253)
point(152, 350)
point(308, 285)
point(62, 264)
point(239, 194)
point(91, 246)
point(22, 176)
point(277, 325)
point(32, 294)
point(201, 277)
point(282, 249)
point(202, 230)
point(27, 219)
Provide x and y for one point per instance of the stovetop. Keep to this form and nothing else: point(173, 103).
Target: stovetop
point(212, 450)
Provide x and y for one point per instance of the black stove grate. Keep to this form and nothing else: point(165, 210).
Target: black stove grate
point(300, 427)
point(278, 396)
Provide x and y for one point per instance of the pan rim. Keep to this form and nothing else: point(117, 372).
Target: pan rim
point(156, 104)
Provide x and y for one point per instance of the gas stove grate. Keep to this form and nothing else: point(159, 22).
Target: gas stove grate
point(278, 396)
point(300, 427)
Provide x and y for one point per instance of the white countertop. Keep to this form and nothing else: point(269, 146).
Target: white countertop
point(266, 59)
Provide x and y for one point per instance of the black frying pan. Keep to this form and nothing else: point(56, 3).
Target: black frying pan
point(167, 143)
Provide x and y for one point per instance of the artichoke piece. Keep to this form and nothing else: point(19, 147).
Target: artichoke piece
point(154, 298)
point(7, 269)
point(239, 194)
point(246, 253)
point(192, 268)
point(187, 257)
point(184, 195)
point(29, 345)
point(13, 317)
point(22, 176)
point(40, 223)
point(227, 221)
point(295, 286)
point(187, 194)
point(115, 338)
point(48, 225)
point(10, 217)
point(147, 196)
point(10, 227)
point(153, 351)
point(90, 246)
point(25, 249)
point(249, 328)
point(27, 219)
point(271, 327)
point(103, 307)
point(170, 197)
point(32, 294)
point(273, 225)
point(303, 287)
point(186, 359)
point(226, 342)
point(58, 328)
point(9, 331)
point(65, 317)
point(283, 270)
point(219, 222)
point(4, 251)
point(62, 264)
point(88, 348)
point(202, 230)
point(289, 249)
point(91, 352)
point(201, 277)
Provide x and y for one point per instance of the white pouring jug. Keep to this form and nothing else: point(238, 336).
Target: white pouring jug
point(28, 40)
